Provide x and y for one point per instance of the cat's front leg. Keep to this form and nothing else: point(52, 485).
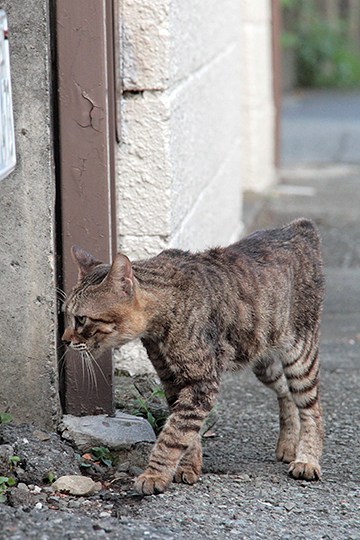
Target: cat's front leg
point(180, 434)
point(189, 468)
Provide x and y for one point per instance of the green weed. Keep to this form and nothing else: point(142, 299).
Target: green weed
point(5, 418)
point(145, 408)
point(97, 454)
point(5, 483)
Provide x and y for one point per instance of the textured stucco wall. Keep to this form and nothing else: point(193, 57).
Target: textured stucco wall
point(258, 112)
point(28, 384)
point(179, 157)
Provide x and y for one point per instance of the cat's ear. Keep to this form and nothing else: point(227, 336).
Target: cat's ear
point(121, 274)
point(84, 261)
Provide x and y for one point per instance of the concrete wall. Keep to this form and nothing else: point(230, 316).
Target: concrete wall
point(258, 112)
point(28, 384)
point(179, 156)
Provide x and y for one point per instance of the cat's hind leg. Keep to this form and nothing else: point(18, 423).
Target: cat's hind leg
point(301, 368)
point(270, 372)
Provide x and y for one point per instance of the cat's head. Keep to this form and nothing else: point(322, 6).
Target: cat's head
point(104, 309)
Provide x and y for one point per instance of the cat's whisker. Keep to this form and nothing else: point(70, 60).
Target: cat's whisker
point(91, 370)
point(60, 293)
point(61, 363)
point(99, 367)
point(82, 366)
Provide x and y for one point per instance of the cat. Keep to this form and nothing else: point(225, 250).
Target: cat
point(254, 303)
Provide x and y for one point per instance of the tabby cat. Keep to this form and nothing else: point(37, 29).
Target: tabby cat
point(255, 303)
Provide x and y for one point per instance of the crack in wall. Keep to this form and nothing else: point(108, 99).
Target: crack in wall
point(95, 112)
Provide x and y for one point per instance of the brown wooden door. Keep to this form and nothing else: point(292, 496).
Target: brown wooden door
point(85, 170)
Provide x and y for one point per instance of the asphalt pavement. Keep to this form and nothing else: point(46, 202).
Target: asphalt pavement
point(320, 127)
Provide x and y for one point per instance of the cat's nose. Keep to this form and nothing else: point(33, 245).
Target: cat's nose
point(67, 336)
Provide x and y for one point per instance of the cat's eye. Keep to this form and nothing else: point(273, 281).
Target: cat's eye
point(80, 320)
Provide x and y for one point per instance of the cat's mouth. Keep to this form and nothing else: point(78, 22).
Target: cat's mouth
point(79, 346)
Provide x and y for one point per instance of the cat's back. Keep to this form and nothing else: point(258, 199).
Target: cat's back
point(272, 252)
point(288, 257)
point(296, 240)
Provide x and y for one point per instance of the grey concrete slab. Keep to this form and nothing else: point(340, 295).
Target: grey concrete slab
point(116, 433)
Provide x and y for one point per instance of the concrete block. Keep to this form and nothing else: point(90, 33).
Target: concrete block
point(145, 44)
point(207, 225)
point(257, 64)
point(197, 33)
point(258, 168)
point(142, 247)
point(28, 313)
point(118, 432)
point(205, 119)
point(132, 358)
point(143, 188)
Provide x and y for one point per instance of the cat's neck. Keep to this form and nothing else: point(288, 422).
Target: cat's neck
point(155, 296)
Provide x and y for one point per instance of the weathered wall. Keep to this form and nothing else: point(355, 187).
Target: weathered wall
point(28, 308)
point(258, 111)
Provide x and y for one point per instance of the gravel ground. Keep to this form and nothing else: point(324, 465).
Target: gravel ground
point(243, 493)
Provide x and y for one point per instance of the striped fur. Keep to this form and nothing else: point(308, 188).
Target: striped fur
point(257, 303)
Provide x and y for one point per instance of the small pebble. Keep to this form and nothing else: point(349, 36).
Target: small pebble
point(136, 471)
point(38, 506)
point(242, 478)
point(22, 486)
point(74, 504)
point(47, 489)
point(104, 514)
point(121, 475)
point(123, 467)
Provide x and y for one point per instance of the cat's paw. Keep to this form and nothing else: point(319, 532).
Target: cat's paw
point(186, 474)
point(151, 483)
point(286, 450)
point(306, 471)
